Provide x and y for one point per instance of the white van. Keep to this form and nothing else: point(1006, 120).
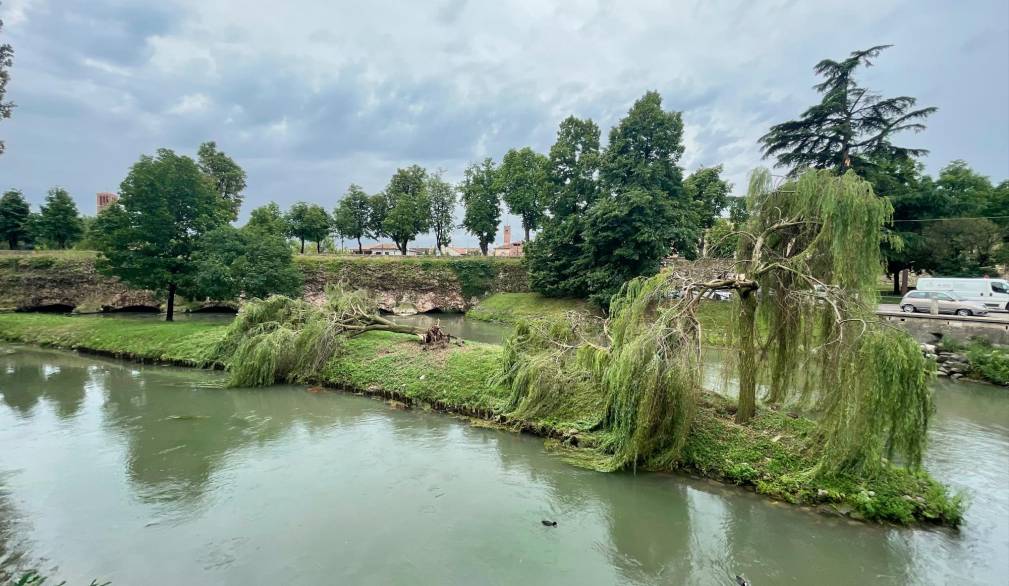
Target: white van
point(992, 293)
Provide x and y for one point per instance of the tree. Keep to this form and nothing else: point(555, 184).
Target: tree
point(721, 239)
point(643, 212)
point(850, 127)
point(60, 223)
point(482, 201)
point(350, 218)
point(228, 177)
point(963, 248)
point(378, 209)
point(408, 206)
point(148, 237)
point(252, 262)
point(6, 60)
point(522, 181)
point(268, 219)
point(443, 197)
point(308, 221)
point(710, 194)
point(14, 218)
point(556, 257)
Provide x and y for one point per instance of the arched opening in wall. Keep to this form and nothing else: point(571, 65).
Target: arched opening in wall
point(216, 309)
point(135, 309)
point(48, 308)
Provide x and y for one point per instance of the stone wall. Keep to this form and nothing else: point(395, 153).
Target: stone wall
point(406, 285)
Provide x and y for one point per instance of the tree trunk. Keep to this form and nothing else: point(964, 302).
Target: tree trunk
point(302, 246)
point(360, 249)
point(12, 243)
point(896, 282)
point(903, 281)
point(170, 311)
point(747, 404)
point(483, 248)
point(318, 247)
point(527, 232)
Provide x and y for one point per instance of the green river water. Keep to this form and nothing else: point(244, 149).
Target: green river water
point(155, 476)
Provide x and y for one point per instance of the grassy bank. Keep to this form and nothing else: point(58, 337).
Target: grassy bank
point(509, 308)
point(772, 455)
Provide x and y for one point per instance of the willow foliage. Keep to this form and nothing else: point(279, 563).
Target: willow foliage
point(284, 339)
point(812, 248)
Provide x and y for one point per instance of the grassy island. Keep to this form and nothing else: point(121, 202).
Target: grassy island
point(771, 455)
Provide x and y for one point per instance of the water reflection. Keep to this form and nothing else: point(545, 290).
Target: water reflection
point(196, 482)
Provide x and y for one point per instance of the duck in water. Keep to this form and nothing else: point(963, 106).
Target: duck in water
point(549, 523)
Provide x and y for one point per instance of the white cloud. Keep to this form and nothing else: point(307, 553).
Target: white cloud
point(190, 104)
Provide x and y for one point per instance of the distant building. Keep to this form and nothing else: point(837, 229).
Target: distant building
point(508, 248)
point(386, 249)
point(105, 199)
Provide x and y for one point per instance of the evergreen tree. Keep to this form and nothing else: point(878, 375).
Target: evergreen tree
point(850, 127)
point(482, 200)
point(408, 206)
point(443, 197)
point(522, 181)
point(227, 176)
point(59, 222)
point(308, 221)
point(148, 237)
point(15, 215)
point(350, 218)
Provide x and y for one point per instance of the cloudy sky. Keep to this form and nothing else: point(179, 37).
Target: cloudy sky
point(311, 95)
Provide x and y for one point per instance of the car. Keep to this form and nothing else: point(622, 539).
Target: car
point(949, 302)
point(993, 293)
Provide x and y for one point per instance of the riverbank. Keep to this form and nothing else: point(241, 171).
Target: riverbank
point(771, 456)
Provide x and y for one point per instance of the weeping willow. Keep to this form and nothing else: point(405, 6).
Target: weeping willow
point(804, 329)
point(807, 329)
point(646, 364)
point(290, 340)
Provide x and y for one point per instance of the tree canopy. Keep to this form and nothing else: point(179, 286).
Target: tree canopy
point(443, 197)
point(59, 222)
point(407, 206)
point(350, 218)
point(269, 219)
point(15, 218)
point(482, 201)
point(148, 237)
point(227, 176)
point(851, 127)
point(522, 181)
point(308, 221)
point(228, 262)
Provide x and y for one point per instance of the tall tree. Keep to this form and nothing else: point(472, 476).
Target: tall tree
point(228, 177)
point(643, 211)
point(148, 237)
point(14, 218)
point(443, 198)
point(557, 257)
point(482, 200)
point(308, 221)
point(268, 219)
point(6, 60)
point(850, 127)
point(522, 181)
point(350, 218)
point(409, 208)
point(59, 222)
point(710, 195)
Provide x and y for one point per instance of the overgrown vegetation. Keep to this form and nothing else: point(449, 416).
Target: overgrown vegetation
point(510, 308)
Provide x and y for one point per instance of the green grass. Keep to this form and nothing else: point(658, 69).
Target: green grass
point(774, 455)
point(509, 308)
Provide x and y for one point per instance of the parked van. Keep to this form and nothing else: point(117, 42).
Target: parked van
point(993, 293)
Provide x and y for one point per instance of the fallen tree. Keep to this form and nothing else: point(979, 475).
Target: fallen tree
point(290, 340)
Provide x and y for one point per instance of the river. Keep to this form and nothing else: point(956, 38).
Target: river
point(155, 475)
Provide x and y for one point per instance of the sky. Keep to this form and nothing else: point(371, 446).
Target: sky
point(310, 96)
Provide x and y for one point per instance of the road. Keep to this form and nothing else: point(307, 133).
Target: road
point(995, 315)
